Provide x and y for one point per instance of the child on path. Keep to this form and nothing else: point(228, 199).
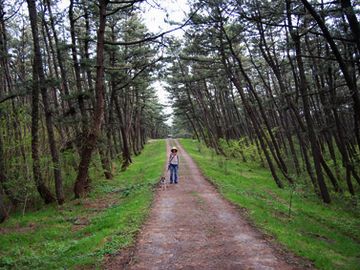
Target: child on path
point(173, 165)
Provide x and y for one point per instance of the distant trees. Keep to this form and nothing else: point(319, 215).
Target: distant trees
point(279, 78)
point(279, 75)
point(96, 96)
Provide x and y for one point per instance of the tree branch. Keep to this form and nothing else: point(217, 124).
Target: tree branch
point(151, 38)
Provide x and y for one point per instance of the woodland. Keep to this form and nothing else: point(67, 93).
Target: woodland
point(263, 94)
point(275, 82)
point(75, 86)
point(268, 82)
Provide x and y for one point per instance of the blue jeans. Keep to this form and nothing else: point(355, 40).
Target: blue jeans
point(173, 173)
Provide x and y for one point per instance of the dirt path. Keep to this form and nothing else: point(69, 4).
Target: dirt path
point(192, 227)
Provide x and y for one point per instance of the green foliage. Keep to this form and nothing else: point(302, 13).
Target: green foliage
point(181, 127)
point(328, 235)
point(17, 151)
point(81, 232)
point(241, 149)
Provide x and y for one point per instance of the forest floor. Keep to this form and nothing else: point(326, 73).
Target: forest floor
point(191, 226)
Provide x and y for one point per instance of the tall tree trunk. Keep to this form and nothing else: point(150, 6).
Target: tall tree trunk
point(303, 87)
point(49, 121)
point(273, 146)
point(82, 179)
point(40, 184)
point(350, 82)
point(251, 116)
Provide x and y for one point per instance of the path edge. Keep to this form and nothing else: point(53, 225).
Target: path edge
point(281, 250)
point(123, 258)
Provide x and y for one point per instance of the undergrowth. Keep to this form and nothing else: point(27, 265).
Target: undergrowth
point(328, 235)
point(81, 232)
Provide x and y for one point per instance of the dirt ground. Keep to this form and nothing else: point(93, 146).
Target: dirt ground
point(192, 227)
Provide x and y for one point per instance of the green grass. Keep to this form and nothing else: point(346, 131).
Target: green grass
point(81, 232)
point(328, 235)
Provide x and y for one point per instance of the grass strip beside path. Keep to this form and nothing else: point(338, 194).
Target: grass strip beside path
point(81, 232)
point(328, 235)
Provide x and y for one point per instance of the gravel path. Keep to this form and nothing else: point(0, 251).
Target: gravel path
point(192, 227)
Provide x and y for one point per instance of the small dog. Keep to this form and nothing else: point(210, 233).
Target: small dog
point(163, 183)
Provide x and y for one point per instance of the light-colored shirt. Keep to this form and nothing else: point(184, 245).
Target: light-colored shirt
point(174, 159)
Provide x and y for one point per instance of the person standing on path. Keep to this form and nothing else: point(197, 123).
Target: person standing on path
point(173, 165)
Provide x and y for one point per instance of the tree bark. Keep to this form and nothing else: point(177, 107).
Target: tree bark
point(251, 116)
point(303, 87)
point(82, 179)
point(350, 82)
point(38, 65)
point(40, 184)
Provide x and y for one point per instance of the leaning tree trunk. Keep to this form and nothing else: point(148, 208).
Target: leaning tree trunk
point(38, 66)
point(303, 87)
point(251, 115)
point(273, 145)
point(40, 184)
point(82, 179)
point(350, 82)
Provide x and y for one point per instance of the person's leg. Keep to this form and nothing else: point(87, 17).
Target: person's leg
point(171, 174)
point(176, 174)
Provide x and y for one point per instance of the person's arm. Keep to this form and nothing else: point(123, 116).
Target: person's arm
point(170, 159)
